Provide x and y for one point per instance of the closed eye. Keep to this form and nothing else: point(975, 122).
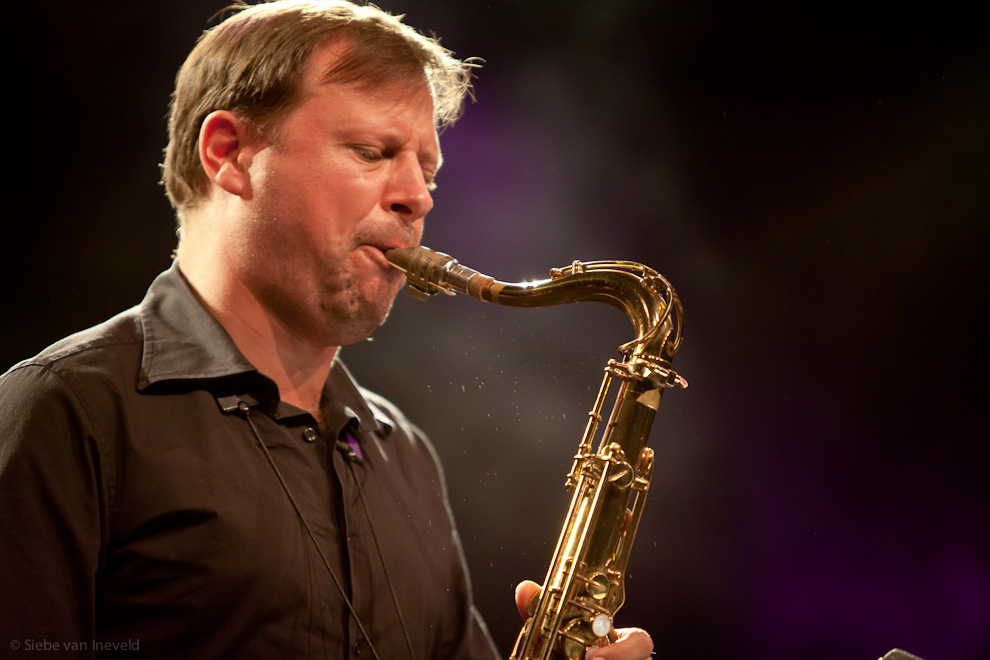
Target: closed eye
point(369, 155)
point(373, 156)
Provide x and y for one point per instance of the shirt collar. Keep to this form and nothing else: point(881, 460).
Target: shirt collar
point(185, 345)
point(346, 403)
point(182, 340)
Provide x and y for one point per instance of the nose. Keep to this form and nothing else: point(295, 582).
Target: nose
point(408, 194)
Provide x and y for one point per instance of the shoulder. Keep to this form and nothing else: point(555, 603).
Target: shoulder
point(404, 439)
point(74, 370)
point(56, 415)
point(120, 333)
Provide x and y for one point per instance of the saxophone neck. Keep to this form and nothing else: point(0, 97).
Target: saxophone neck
point(643, 295)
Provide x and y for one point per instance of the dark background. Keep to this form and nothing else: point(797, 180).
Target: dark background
point(812, 178)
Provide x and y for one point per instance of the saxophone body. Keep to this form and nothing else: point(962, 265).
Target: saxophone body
point(584, 586)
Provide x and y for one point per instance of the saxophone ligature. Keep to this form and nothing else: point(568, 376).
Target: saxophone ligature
point(584, 586)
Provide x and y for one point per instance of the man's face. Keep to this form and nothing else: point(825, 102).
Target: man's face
point(347, 176)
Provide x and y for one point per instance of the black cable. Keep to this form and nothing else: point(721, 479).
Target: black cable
point(244, 408)
point(351, 460)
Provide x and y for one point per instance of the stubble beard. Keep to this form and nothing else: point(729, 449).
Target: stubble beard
point(318, 293)
point(337, 303)
point(314, 294)
point(350, 312)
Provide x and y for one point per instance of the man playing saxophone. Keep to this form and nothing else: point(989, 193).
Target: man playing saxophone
point(200, 476)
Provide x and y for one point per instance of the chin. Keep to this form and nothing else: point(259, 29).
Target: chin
point(359, 322)
point(350, 314)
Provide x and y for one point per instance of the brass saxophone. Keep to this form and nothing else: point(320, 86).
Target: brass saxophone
point(584, 586)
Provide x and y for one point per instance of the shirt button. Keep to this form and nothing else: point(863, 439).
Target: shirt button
point(357, 648)
point(310, 434)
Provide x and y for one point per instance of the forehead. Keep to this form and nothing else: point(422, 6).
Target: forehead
point(330, 64)
point(393, 117)
point(403, 110)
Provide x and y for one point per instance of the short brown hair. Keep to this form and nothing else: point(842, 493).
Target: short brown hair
point(252, 64)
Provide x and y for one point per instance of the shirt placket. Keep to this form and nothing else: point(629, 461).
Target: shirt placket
point(358, 549)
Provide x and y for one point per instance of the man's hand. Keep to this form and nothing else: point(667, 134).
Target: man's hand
point(632, 643)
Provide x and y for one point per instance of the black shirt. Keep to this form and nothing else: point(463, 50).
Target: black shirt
point(138, 506)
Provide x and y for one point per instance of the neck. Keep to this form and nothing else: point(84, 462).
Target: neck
point(298, 367)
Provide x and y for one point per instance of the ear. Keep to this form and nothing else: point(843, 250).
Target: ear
point(226, 145)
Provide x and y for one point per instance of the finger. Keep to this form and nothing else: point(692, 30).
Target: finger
point(524, 594)
point(633, 644)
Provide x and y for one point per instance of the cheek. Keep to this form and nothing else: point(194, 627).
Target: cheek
point(315, 198)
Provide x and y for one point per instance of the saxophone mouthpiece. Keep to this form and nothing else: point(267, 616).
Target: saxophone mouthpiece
point(426, 270)
point(400, 258)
